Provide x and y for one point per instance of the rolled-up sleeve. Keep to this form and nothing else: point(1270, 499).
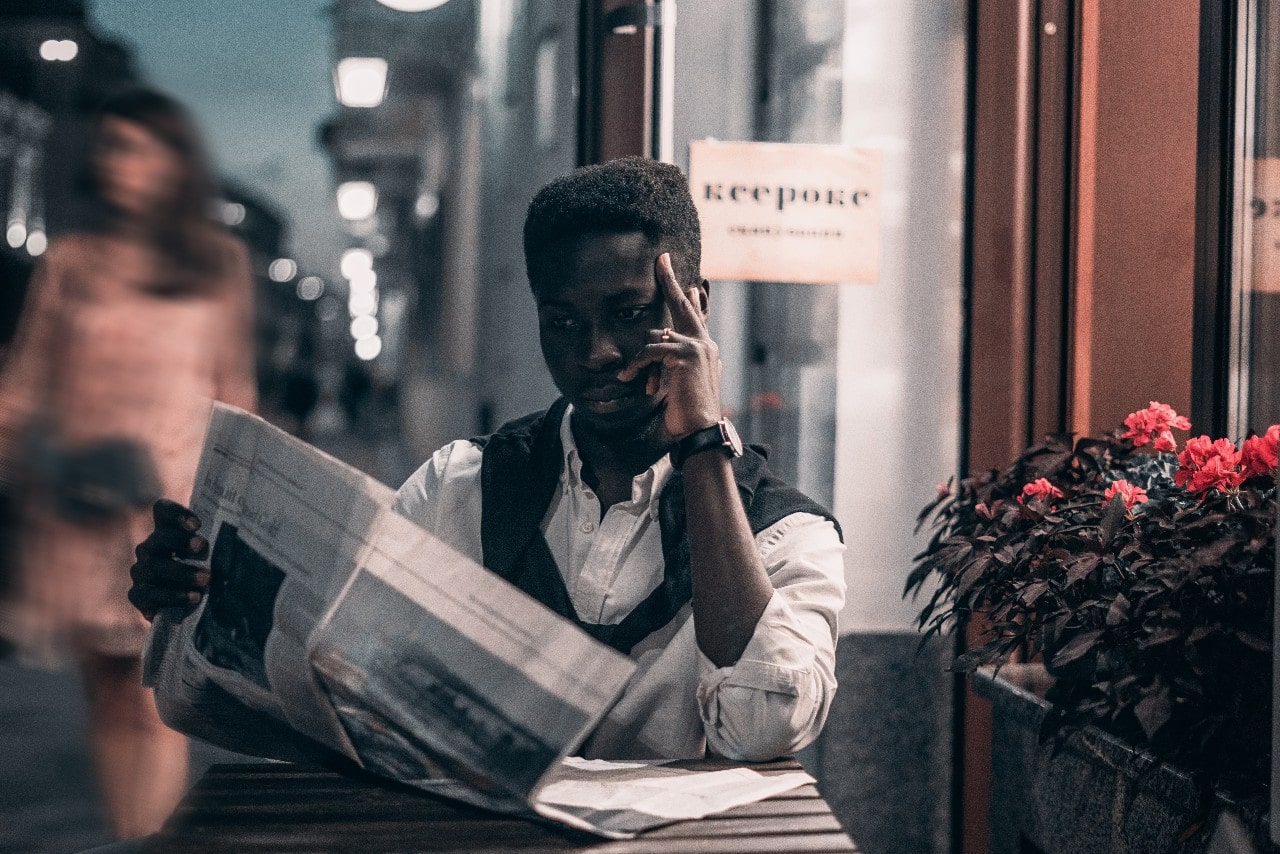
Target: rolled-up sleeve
point(774, 700)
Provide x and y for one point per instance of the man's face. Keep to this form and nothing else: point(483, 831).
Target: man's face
point(598, 298)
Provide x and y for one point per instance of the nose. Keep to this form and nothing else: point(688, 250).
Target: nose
point(597, 350)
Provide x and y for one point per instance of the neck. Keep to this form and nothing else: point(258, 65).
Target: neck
point(129, 227)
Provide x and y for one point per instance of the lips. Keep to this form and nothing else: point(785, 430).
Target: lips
point(606, 393)
point(609, 398)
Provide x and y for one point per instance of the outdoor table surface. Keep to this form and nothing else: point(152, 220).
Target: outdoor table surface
point(269, 806)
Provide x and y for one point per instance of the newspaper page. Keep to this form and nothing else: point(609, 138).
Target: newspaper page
point(331, 614)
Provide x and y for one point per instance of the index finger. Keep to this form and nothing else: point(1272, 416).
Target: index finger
point(684, 317)
point(171, 514)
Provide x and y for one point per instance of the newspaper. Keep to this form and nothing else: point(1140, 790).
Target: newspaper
point(333, 625)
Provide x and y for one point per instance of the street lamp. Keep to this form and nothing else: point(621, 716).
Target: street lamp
point(369, 348)
point(412, 5)
point(357, 200)
point(58, 50)
point(355, 260)
point(361, 81)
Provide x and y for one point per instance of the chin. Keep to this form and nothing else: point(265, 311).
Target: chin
point(639, 422)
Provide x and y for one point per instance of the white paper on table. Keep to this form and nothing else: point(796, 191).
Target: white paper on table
point(624, 798)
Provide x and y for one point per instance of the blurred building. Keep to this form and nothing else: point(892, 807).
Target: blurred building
point(455, 117)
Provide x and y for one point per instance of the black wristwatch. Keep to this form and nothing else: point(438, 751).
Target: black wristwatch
point(720, 435)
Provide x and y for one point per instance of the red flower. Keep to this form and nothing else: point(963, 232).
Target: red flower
point(1207, 464)
point(1132, 494)
point(1039, 489)
point(1156, 421)
point(1259, 454)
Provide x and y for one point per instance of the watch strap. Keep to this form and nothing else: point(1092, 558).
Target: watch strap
point(706, 439)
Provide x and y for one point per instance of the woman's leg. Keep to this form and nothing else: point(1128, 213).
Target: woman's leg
point(141, 764)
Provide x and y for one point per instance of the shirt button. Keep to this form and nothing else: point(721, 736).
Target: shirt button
point(587, 527)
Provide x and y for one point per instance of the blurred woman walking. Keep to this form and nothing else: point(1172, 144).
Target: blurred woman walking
point(127, 332)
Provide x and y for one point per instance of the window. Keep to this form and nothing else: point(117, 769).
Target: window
point(1254, 366)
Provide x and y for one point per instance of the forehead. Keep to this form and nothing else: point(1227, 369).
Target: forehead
point(117, 129)
point(596, 263)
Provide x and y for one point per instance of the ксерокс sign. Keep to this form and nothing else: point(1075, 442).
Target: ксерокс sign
point(776, 212)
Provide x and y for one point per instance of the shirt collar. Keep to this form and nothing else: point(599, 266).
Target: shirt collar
point(646, 487)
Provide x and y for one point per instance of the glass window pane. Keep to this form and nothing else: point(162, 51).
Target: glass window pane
point(1258, 317)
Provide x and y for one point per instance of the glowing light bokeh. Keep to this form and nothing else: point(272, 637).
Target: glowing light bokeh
point(58, 50)
point(37, 242)
point(413, 5)
point(363, 282)
point(364, 326)
point(369, 348)
point(310, 288)
point(362, 303)
point(361, 81)
point(282, 269)
point(232, 213)
point(357, 200)
point(354, 261)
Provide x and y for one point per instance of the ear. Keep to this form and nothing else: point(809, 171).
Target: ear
point(704, 298)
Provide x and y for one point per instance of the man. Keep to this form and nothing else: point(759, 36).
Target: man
point(629, 506)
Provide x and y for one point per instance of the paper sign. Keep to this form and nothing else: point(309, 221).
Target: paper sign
point(774, 212)
point(1265, 208)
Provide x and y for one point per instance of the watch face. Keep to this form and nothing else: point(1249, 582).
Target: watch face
point(731, 438)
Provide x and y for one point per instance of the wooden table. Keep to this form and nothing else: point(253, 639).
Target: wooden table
point(279, 807)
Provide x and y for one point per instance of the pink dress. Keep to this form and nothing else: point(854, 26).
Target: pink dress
point(99, 356)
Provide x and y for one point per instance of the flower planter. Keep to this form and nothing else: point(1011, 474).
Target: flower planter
point(1098, 794)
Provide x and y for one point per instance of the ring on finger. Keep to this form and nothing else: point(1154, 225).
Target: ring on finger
point(666, 335)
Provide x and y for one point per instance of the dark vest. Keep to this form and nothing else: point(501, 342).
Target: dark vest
point(519, 473)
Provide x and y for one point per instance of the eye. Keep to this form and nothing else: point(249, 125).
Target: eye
point(561, 323)
point(631, 313)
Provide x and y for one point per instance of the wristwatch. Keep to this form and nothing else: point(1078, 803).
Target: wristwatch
point(720, 435)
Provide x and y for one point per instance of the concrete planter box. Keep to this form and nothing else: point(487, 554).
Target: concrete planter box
point(1099, 794)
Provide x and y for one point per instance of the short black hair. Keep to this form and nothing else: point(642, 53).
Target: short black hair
point(628, 194)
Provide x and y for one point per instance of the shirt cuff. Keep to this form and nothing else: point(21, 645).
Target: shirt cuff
point(769, 702)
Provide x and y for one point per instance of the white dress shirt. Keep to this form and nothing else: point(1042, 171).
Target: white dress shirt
point(772, 701)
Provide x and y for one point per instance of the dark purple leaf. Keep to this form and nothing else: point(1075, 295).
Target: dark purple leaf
point(1253, 641)
point(1153, 711)
point(1033, 591)
point(971, 574)
point(1076, 648)
point(1198, 634)
point(1118, 612)
point(1081, 567)
point(1112, 518)
point(1162, 636)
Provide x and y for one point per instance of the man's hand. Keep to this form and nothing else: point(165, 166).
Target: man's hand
point(161, 576)
point(689, 359)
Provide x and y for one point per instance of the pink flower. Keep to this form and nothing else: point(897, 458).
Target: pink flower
point(1206, 464)
point(1132, 494)
point(1156, 421)
point(1039, 489)
point(1259, 454)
